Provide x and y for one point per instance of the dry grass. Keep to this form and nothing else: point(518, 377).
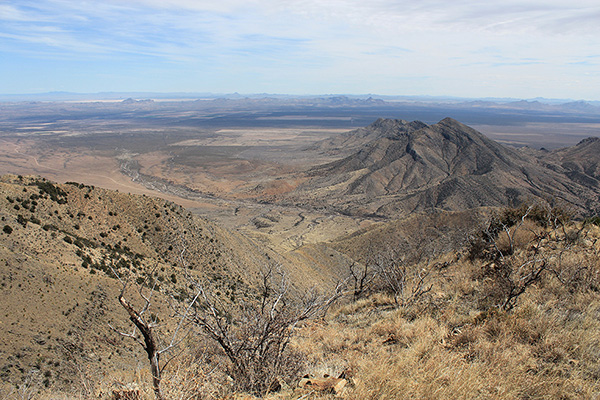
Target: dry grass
point(546, 348)
point(537, 352)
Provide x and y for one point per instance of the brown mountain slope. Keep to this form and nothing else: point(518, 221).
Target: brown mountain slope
point(447, 165)
point(417, 237)
point(59, 245)
point(580, 162)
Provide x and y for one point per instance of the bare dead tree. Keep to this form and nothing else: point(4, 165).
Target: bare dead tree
point(362, 277)
point(254, 335)
point(581, 275)
point(515, 278)
point(511, 232)
point(486, 244)
point(148, 338)
point(145, 334)
point(406, 283)
point(512, 272)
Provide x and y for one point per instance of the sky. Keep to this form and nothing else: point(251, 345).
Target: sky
point(463, 48)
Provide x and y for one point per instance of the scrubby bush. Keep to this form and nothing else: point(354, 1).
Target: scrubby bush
point(512, 228)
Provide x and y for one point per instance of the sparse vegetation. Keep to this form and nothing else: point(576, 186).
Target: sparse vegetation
point(509, 313)
point(526, 349)
point(55, 193)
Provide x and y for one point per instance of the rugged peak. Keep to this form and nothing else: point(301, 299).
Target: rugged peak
point(387, 123)
point(382, 128)
point(460, 133)
point(416, 125)
point(589, 141)
point(452, 123)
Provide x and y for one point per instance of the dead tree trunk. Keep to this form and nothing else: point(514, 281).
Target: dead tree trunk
point(150, 344)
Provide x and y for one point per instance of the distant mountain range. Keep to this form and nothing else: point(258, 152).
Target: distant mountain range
point(331, 99)
point(398, 167)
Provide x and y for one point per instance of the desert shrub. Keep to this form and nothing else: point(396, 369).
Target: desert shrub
point(506, 280)
point(541, 246)
point(77, 185)
point(56, 193)
point(22, 220)
point(254, 335)
point(595, 220)
point(513, 228)
point(7, 229)
point(406, 283)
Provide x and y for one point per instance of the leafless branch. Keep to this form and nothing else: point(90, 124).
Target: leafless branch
point(254, 335)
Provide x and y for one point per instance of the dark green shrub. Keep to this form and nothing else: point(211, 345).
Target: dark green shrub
point(22, 220)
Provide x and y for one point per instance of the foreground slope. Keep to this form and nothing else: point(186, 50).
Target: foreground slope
point(456, 340)
point(443, 329)
point(60, 247)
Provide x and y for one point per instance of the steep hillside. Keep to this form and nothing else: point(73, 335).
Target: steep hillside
point(580, 162)
point(511, 313)
point(60, 247)
point(417, 237)
point(446, 165)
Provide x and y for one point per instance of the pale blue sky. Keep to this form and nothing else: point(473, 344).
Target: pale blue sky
point(467, 48)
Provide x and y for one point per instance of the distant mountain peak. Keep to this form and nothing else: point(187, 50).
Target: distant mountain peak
point(134, 101)
point(387, 123)
point(397, 166)
point(454, 124)
point(589, 140)
point(382, 128)
point(449, 121)
point(578, 104)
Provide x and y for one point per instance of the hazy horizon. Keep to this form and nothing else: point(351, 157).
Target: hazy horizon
point(178, 96)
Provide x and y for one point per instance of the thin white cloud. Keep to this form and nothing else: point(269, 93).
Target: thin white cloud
point(458, 15)
point(323, 23)
point(11, 13)
point(354, 42)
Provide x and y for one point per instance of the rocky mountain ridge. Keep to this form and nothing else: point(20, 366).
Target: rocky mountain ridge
point(406, 167)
